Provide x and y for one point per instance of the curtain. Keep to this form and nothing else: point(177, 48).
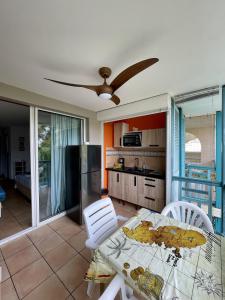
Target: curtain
point(64, 131)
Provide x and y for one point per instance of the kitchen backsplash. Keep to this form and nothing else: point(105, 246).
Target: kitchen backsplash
point(147, 159)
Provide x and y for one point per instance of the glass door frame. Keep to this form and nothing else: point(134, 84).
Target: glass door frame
point(218, 182)
point(35, 185)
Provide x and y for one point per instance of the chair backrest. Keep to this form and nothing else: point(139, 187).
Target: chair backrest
point(100, 220)
point(117, 285)
point(188, 213)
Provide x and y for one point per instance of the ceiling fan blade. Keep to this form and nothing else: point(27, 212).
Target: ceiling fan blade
point(115, 99)
point(90, 87)
point(131, 71)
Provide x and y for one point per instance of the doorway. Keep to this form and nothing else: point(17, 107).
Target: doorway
point(197, 167)
point(15, 173)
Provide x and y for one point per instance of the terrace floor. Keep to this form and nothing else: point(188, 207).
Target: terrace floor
point(50, 262)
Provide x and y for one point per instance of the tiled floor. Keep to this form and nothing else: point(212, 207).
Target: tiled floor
point(50, 262)
point(16, 211)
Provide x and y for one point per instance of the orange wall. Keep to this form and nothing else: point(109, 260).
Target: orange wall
point(144, 122)
point(108, 142)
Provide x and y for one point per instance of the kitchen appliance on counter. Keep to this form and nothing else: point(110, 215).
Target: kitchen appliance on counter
point(83, 179)
point(121, 161)
point(132, 139)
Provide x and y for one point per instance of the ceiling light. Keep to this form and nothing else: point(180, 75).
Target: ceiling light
point(105, 96)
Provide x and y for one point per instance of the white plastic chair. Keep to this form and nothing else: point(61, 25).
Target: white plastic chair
point(188, 213)
point(117, 285)
point(101, 221)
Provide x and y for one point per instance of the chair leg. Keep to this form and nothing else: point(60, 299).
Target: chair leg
point(102, 288)
point(90, 288)
point(129, 291)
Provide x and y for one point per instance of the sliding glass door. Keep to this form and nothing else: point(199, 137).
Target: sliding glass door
point(55, 132)
point(197, 155)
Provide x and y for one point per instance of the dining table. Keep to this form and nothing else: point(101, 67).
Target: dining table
point(162, 258)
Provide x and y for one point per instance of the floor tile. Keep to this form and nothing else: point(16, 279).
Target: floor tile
point(49, 243)
point(8, 291)
point(81, 292)
point(50, 289)
point(73, 272)
point(1, 256)
point(67, 231)
point(30, 277)
point(5, 272)
point(60, 255)
point(22, 259)
point(86, 253)
point(61, 222)
point(40, 234)
point(77, 241)
point(15, 246)
point(71, 298)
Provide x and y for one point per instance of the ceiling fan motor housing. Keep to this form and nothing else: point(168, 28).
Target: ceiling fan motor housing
point(105, 88)
point(105, 72)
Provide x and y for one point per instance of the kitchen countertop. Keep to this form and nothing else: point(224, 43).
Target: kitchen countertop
point(139, 172)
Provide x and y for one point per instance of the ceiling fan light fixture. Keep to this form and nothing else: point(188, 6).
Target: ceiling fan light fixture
point(105, 96)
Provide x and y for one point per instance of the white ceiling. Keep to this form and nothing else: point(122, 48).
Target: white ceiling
point(69, 40)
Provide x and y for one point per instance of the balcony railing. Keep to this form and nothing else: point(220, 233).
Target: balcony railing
point(199, 187)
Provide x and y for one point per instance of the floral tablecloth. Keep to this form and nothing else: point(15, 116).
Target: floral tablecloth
point(162, 258)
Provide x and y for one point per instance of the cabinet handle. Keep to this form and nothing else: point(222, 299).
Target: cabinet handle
point(149, 179)
point(118, 177)
point(135, 181)
point(153, 145)
point(150, 185)
point(149, 198)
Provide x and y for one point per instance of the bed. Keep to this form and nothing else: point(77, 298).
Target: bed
point(23, 184)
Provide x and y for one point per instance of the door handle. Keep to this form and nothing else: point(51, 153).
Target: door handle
point(150, 185)
point(118, 177)
point(135, 181)
point(149, 179)
point(149, 198)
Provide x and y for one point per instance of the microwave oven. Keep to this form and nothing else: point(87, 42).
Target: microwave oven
point(132, 139)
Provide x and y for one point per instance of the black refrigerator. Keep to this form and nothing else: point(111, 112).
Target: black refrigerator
point(83, 178)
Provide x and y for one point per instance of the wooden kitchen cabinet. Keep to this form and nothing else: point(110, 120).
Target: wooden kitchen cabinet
point(144, 191)
point(151, 193)
point(116, 184)
point(154, 138)
point(130, 188)
point(119, 130)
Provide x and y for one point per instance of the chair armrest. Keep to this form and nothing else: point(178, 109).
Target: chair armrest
point(91, 244)
point(121, 218)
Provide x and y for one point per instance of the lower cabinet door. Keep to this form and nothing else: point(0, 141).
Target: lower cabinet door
point(116, 184)
point(130, 188)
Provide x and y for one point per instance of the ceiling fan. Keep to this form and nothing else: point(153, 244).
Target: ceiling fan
point(105, 90)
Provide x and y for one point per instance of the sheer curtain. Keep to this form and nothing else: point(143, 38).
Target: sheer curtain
point(64, 131)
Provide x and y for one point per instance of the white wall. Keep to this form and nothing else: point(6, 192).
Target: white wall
point(143, 107)
point(15, 154)
point(30, 98)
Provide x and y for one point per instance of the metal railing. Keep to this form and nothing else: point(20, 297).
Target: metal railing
point(198, 187)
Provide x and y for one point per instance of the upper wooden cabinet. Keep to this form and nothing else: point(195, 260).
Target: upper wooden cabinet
point(119, 130)
point(154, 138)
